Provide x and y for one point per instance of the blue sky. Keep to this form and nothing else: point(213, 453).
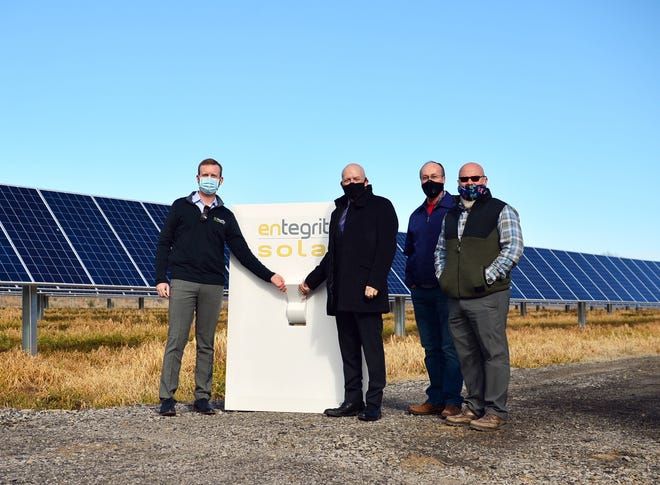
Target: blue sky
point(559, 101)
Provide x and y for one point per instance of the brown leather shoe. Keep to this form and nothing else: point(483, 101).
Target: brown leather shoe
point(465, 417)
point(450, 410)
point(489, 422)
point(424, 409)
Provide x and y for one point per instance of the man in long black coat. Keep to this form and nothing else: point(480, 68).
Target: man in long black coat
point(362, 243)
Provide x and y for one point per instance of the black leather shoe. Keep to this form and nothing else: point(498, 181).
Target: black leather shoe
point(346, 409)
point(370, 414)
point(202, 406)
point(167, 407)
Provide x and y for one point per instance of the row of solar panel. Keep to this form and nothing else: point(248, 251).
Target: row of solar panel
point(55, 238)
point(70, 239)
point(87, 292)
point(564, 276)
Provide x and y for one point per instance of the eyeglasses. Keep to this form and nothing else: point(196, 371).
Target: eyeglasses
point(205, 214)
point(433, 177)
point(473, 178)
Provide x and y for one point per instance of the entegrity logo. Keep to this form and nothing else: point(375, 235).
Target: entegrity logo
point(299, 230)
point(304, 230)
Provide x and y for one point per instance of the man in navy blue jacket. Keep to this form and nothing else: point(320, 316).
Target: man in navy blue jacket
point(192, 247)
point(429, 302)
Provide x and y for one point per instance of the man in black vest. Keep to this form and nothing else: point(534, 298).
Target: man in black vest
point(361, 247)
point(480, 242)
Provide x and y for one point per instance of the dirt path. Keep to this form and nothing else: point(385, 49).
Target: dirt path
point(588, 423)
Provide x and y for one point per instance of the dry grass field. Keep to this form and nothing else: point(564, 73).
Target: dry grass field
point(90, 356)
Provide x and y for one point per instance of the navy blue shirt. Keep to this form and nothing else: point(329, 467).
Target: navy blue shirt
point(421, 240)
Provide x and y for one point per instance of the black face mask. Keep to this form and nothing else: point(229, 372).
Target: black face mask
point(432, 189)
point(353, 191)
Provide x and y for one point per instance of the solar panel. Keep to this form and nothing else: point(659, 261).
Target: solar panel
point(227, 258)
point(596, 274)
point(135, 229)
point(568, 275)
point(654, 266)
point(647, 271)
point(538, 258)
point(580, 275)
point(603, 264)
point(628, 278)
point(534, 285)
point(158, 213)
point(38, 239)
point(525, 288)
point(515, 291)
point(11, 267)
point(96, 244)
point(397, 275)
point(637, 278)
point(395, 285)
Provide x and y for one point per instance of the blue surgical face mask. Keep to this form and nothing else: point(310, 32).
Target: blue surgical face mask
point(208, 185)
point(471, 192)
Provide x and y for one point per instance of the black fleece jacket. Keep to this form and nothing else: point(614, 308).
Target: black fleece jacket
point(194, 251)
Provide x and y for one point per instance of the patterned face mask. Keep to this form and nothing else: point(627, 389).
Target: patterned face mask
point(471, 192)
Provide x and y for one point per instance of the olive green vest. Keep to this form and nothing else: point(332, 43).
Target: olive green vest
point(464, 273)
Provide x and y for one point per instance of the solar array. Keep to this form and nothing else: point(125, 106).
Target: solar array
point(68, 243)
point(565, 276)
point(62, 240)
point(64, 244)
point(547, 275)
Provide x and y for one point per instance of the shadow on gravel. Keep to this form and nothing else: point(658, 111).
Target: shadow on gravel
point(602, 394)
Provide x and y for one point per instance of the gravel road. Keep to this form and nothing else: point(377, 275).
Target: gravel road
point(584, 423)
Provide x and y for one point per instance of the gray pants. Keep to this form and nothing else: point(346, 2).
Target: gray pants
point(188, 299)
point(478, 327)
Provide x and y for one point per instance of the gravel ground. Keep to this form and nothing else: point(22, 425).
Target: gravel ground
point(586, 423)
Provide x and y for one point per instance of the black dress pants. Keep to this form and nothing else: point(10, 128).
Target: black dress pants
point(359, 332)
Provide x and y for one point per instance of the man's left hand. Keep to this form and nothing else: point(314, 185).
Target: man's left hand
point(370, 292)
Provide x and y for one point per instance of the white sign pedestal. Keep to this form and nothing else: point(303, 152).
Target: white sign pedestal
point(282, 351)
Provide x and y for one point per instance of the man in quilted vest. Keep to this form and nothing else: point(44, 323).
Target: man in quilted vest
point(480, 242)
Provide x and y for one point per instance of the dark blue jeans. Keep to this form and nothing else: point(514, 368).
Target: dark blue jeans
point(442, 365)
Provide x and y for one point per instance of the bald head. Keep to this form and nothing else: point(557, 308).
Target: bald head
point(470, 168)
point(353, 173)
point(475, 172)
